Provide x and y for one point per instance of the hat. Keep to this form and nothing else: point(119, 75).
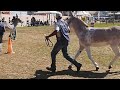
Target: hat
point(58, 15)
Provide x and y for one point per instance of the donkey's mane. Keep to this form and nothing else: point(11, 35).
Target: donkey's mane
point(79, 21)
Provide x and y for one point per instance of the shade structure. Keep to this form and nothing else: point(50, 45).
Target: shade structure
point(47, 12)
point(83, 13)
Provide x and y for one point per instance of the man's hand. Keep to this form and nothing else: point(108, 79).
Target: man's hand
point(47, 37)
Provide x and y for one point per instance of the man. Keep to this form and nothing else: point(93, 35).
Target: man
point(2, 30)
point(62, 35)
point(15, 22)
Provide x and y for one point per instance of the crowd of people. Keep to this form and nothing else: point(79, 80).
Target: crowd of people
point(35, 22)
point(32, 22)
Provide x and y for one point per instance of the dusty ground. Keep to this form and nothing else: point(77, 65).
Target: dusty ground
point(32, 56)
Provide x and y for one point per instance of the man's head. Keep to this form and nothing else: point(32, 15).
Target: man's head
point(13, 17)
point(58, 16)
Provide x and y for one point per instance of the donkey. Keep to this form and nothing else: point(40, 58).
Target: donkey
point(95, 37)
point(9, 28)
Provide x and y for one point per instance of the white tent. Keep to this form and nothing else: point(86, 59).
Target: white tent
point(47, 12)
point(83, 13)
point(118, 13)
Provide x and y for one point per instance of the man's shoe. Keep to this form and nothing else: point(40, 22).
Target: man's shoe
point(78, 67)
point(50, 69)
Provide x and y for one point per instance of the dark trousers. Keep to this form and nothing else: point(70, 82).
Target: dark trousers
point(1, 36)
point(15, 32)
point(61, 45)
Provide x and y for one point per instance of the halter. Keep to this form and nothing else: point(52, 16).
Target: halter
point(70, 20)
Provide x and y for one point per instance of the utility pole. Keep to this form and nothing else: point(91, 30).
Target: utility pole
point(98, 15)
point(0, 14)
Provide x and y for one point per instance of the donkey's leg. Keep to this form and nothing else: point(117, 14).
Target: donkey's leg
point(90, 57)
point(78, 52)
point(76, 55)
point(117, 54)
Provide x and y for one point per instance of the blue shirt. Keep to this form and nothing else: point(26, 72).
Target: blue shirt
point(2, 28)
point(62, 26)
point(2, 25)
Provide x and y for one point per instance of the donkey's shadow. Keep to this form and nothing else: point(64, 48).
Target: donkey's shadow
point(39, 74)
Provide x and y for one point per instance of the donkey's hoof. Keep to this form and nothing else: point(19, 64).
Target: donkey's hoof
point(109, 67)
point(70, 67)
point(108, 71)
point(97, 68)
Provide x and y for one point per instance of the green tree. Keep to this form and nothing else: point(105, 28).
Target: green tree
point(114, 12)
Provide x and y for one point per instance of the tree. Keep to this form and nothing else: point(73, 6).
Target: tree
point(114, 15)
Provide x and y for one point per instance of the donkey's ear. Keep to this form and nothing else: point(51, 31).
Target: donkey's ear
point(75, 13)
point(71, 14)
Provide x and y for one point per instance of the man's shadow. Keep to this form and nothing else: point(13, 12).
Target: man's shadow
point(39, 74)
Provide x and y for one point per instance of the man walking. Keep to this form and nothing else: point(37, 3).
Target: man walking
point(62, 34)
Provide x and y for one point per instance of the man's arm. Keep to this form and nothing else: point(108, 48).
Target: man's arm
point(19, 20)
point(52, 34)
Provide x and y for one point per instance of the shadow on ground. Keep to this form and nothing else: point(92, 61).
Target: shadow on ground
point(39, 74)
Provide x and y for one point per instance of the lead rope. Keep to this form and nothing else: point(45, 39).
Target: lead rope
point(48, 41)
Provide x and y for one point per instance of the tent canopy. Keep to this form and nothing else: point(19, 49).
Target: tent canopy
point(83, 13)
point(47, 12)
point(118, 13)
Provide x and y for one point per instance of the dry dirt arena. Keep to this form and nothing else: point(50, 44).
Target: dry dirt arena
point(32, 56)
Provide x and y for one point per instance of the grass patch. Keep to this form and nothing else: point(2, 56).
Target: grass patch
point(106, 25)
point(33, 55)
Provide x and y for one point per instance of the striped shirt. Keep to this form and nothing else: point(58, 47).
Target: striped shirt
point(62, 26)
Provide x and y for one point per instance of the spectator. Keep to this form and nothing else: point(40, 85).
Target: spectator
point(15, 22)
point(9, 19)
point(28, 23)
point(3, 19)
point(33, 21)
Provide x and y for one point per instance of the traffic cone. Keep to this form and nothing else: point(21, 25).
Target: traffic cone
point(10, 49)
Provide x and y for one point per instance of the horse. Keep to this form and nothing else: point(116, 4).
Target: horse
point(95, 37)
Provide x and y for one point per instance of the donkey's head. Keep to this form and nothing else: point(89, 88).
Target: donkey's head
point(73, 21)
point(70, 18)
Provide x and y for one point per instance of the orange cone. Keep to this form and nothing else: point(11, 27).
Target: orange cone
point(10, 49)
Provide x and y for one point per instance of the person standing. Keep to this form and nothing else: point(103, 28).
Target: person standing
point(15, 22)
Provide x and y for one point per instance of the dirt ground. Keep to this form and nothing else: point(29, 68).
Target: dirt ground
point(32, 56)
